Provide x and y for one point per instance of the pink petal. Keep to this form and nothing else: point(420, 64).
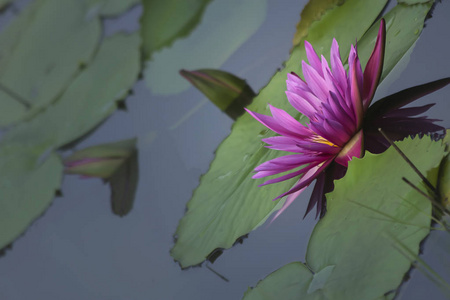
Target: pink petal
point(287, 121)
point(354, 90)
point(273, 125)
point(315, 81)
point(290, 198)
point(286, 162)
point(374, 67)
point(338, 69)
point(290, 175)
point(352, 149)
point(307, 178)
point(313, 59)
point(301, 104)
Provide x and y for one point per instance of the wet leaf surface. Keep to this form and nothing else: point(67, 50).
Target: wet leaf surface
point(27, 188)
point(371, 212)
point(41, 51)
point(163, 22)
point(90, 99)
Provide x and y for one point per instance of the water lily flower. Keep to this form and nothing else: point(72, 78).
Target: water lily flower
point(336, 103)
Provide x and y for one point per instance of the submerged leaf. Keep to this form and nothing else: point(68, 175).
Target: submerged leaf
point(27, 187)
point(163, 22)
point(225, 26)
point(31, 169)
point(116, 163)
point(369, 211)
point(228, 203)
point(91, 97)
point(40, 53)
point(123, 186)
point(228, 92)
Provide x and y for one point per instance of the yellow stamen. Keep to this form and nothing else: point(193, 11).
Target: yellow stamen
point(321, 140)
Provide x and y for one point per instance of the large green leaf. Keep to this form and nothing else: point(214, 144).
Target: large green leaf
point(40, 53)
point(162, 22)
point(225, 26)
point(312, 12)
point(31, 171)
point(27, 187)
point(354, 251)
point(90, 98)
point(228, 203)
point(404, 24)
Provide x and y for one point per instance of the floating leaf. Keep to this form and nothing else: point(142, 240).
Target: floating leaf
point(116, 163)
point(228, 92)
point(110, 8)
point(91, 97)
point(404, 24)
point(225, 26)
point(312, 12)
point(27, 187)
point(40, 53)
point(228, 203)
point(354, 250)
point(163, 22)
point(31, 170)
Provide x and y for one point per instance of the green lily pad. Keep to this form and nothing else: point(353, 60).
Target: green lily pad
point(228, 203)
point(91, 97)
point(27, 187)
point(163, 22)
point(41, 51)
point(225, 26)
point(404, 24)
point(356, 246)
point(32, 171)
point(312, 12)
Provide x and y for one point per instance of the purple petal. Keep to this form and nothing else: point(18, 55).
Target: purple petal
point(273, 125)
point(287, 121)
point(288, 176)
point(287, 162)
point(313, 59)
point(410, 111)
point(315, 81)
point(374, 67)
point(402, 98)
point(301, 104)
point(352, 149)
point(355, 91)
point(307, 178)
point(338, 69)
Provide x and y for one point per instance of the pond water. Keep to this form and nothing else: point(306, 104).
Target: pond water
point(80, 250)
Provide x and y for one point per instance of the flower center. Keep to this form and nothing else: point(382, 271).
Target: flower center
point(321, 140)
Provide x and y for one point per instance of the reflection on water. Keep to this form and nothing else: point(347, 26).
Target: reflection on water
point(80, 250)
